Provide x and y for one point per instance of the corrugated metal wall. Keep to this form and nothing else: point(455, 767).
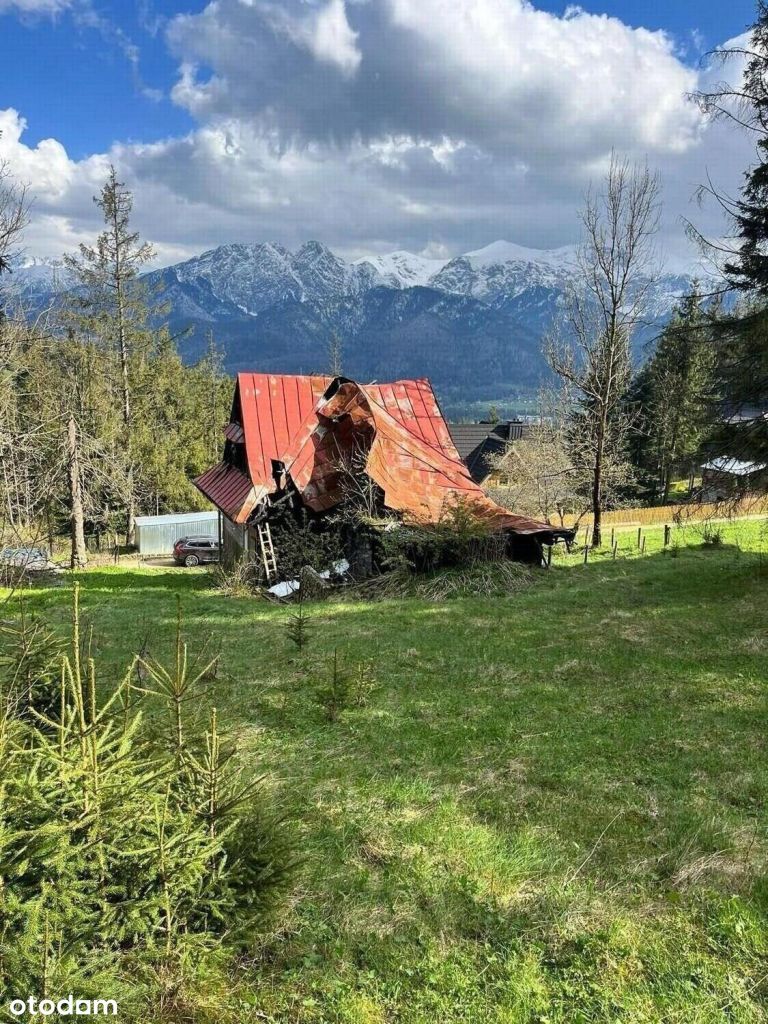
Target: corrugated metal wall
point(156, 535)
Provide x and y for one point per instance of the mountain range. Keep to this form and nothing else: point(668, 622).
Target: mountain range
point(473, 324)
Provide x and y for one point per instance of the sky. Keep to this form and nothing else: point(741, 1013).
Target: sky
point(435, 126)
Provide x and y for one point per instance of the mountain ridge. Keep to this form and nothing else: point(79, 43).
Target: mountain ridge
point(473, 323)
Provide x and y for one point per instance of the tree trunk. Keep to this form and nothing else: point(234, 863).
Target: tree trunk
point(122, 346)
point(597, 510)
point(667, 484)
point(130, 509)
point(597, 485)
point(79, 556)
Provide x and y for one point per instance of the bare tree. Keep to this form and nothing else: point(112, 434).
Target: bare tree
point(14, 214)
point(543, 475)
point(335, 353)
point(616, 262)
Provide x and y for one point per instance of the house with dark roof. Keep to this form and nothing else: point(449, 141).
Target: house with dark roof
point(480, 444)
point(291, 441)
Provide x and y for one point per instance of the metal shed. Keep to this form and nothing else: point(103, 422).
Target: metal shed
point(156, 535)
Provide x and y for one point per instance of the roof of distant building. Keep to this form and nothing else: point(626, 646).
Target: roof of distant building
point(479, 443)
point(176, 517)
point(734, 467)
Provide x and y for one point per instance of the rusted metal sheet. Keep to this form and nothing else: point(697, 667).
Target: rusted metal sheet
point(315, 426)
point(420, 480)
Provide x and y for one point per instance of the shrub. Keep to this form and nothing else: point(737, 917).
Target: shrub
point(301, 542)
point(30, 663)
point(336, 695)
point(297, 628)
point(459, 538)
point(240, 579)
point(712, 536)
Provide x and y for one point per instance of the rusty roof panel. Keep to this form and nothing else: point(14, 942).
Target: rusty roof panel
point(273, 408)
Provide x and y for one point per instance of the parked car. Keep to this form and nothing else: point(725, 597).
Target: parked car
point(191, 551)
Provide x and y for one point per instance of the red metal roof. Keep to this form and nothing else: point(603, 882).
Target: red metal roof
point(307, 426)
point(230, 490)
point(273, 408)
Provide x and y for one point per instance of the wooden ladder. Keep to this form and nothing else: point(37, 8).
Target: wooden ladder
point(267, 551)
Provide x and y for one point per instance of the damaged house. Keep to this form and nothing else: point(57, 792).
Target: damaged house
point(294, 442)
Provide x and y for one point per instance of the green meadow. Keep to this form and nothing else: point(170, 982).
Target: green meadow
point(542, 807)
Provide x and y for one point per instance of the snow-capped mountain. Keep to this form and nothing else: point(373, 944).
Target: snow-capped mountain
point(473, 323)
point(33, 280)
point(503, 275)
point(401, 269)
point(502, 270)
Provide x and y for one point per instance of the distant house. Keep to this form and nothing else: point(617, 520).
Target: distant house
point(725, 477)
point(480, 444)
point(292, 440)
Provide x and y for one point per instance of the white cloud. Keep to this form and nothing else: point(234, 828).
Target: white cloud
point(37, 6)
point(324, 33)
point(497, 73)
point(384, 124)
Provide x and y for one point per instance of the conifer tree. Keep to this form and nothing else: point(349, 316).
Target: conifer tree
point(676, 389)
point(111, 305)
point(746, 104)
point(742, 333)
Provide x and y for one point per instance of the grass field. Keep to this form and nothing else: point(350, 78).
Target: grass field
point(552, 807)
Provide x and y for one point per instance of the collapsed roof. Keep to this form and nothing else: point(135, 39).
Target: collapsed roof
point(304, 430)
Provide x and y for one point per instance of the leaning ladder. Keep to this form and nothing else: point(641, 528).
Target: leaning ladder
point(267, 551)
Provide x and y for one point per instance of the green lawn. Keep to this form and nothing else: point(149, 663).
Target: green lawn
point(552, 807)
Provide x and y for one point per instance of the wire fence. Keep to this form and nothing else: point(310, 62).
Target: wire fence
point(630, 541)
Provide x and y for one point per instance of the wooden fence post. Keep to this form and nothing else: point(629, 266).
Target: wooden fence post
point(586, 553)
point(667, 532)
point(615, 549)
point(642, 547)
point(639, 535)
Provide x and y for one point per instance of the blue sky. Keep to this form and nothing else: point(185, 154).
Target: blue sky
point(712, 21)
point(373, 124)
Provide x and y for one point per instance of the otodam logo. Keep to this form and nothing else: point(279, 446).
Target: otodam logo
point(67, 1006)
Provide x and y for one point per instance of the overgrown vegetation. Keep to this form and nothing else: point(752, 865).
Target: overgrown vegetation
point(459, 538)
